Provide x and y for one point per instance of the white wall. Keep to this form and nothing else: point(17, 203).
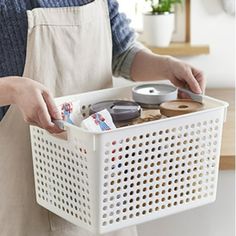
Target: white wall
point(211, 25)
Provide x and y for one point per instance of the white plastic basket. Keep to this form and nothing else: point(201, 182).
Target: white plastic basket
point(111, 180)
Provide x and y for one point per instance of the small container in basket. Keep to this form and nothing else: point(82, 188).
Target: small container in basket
point(107, 181)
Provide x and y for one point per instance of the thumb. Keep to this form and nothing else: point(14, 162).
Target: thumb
point(193, 83)
point(52, 108)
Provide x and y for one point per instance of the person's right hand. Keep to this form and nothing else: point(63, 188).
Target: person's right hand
point(36, 104)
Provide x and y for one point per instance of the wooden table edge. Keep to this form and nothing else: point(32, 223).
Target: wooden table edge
point(227, 162)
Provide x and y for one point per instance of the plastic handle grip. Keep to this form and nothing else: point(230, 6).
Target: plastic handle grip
point(194, 96)
point(61, 124)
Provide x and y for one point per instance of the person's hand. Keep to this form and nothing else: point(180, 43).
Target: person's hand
point(36, 104)
point(185, 76)
point(148, 66)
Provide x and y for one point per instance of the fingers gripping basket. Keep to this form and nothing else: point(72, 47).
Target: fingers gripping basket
point(107, 181)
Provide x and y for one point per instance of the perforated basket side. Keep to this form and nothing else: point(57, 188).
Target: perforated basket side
point(65, 178)
point(159, 169)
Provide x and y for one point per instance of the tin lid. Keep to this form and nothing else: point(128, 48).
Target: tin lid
point(180, 107)
point(154, 94)
point(120, 110)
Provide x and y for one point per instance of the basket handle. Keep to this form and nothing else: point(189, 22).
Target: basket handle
point(194, 96)
point(63, 126)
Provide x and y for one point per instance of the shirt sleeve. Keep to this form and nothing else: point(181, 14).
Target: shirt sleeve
point(3, 111)
point(125, 45)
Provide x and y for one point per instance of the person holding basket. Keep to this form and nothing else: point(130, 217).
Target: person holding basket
point(57, 48)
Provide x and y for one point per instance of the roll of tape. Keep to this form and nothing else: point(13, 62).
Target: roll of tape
point(152, 95)
point(120, 110)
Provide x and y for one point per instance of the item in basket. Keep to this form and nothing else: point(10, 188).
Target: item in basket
point(100, 121)
point(146, 116)
point(152, 95)
point(70, 112)
point(180, 107)
point(120, 110)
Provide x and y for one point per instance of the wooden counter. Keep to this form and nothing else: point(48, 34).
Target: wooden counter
point(227, 161)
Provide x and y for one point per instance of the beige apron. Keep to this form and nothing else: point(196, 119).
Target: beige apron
point(69, 51)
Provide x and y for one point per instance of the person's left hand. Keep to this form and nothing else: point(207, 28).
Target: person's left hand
point(184, 75)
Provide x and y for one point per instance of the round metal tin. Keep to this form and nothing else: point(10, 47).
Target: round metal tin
point(152, 95)
point(120, 110)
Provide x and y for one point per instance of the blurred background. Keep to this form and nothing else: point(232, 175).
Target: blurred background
point(202, 33)
point(210, 25)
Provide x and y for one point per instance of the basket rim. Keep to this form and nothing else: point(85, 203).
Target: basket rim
point(222, 105)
